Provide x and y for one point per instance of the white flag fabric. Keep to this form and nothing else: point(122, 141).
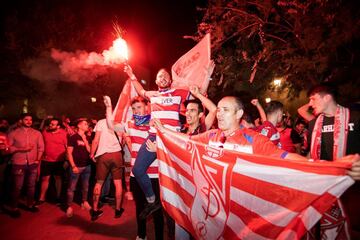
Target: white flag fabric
point(191, 68)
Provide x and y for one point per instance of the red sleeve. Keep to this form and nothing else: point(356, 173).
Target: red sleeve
point(263, 146)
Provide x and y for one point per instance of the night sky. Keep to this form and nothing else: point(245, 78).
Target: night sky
point(154, 33)
point(155, 29)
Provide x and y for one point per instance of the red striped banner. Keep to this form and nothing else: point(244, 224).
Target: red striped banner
point(219, 194)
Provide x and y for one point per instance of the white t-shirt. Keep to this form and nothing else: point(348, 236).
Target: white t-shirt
point(108, 142)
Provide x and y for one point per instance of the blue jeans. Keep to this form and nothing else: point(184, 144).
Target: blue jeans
point(143, 160)
point(84, 172)
point(19, 174)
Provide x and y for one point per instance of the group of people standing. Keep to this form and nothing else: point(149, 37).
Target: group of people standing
point(333, 135)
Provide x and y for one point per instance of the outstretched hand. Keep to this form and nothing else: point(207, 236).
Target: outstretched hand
point(355, 169)
point(107, 101)
point(128, 70)
point(194, 90)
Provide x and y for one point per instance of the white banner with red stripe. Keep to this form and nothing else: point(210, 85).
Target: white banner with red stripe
point(191, 68)
point(122, 112)
point(219, 194)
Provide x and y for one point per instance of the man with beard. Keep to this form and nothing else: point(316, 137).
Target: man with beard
point(52, 163)
point(27, 146)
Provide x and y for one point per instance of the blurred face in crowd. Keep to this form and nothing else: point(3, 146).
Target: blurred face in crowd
point(300, 127)
point(27, 121)
point(192, 114)
point(139, 108)
point(53, 126)
point(163, 79)
point(83, 126)
point(228, 114)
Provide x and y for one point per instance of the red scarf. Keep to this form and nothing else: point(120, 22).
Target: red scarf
point(333, 224)
point(341, 129)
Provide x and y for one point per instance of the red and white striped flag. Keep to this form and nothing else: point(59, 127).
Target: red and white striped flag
point(220, 194)
point(191, 68)
point(122, 112)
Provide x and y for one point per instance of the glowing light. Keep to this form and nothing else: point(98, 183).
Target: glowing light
point(277, 82)
point(121, 48)
point(117, 53)
point(267, 100)
point(93, 99)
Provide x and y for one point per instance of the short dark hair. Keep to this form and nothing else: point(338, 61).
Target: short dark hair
point(55, 119)
point(79, 120)
point(247, 118)
point(324, 88)
point(238, 102)
point(273, 106)
point(23, 115)
point(196, 101)
point(300, 121)
point(138, 99)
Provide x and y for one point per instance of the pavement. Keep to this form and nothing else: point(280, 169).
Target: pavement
point(51, 223)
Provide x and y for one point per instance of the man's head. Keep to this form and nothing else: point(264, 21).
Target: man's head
point(275, 110)
point(300, 125)
point(322, 97)
point(138, 106)
point(229, 112)
point(163, 79)
point(26, 120)
point(54, 125)
point(194, 111)
point(247, 121)
point(82, 124)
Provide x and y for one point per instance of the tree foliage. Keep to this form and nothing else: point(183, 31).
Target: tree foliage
point(304, 42)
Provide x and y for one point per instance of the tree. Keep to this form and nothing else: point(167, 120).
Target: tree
point(304, 42)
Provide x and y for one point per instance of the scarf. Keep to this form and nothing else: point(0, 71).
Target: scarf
point(341, 129)
point(141, 120)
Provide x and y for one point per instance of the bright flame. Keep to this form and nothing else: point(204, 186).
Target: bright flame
point(118, 52)
point(267, 100)
point(121, 48)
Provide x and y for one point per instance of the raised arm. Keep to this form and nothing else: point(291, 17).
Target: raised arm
point(260, 109)
point(303, 111)
point(208, 104)
point(138, 87)
point(169, 132)
point(117, 127)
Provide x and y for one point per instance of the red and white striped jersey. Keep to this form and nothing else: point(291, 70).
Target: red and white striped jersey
point(138, 135)
point(167, 108)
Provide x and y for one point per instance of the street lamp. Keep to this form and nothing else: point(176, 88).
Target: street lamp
point(277, 82)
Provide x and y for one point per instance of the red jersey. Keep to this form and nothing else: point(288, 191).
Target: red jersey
point(55, 145)
point(167, 108)
point(269, 130)
point(242, 140)
point(138, 135)
point(286, 141)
